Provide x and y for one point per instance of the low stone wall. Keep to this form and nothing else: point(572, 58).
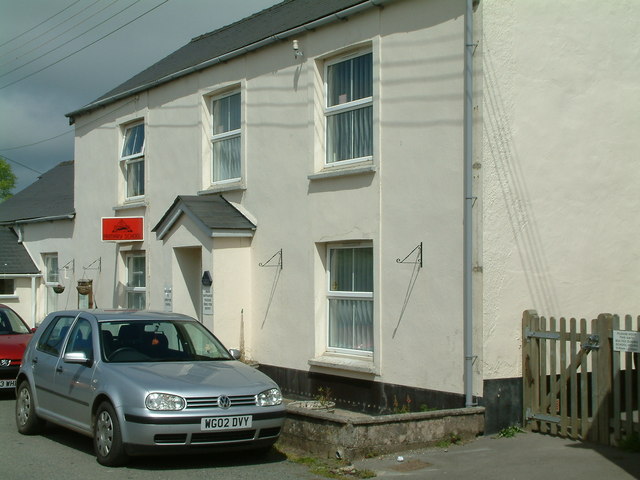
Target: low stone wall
point(351, 435)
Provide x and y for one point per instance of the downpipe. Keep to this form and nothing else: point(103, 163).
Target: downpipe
point(468, 206)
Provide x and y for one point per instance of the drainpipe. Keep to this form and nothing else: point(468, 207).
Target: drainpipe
point(34, 300)
point(468, 205)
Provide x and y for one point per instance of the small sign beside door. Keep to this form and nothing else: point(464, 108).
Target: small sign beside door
point(207, 301)
point(168, 299)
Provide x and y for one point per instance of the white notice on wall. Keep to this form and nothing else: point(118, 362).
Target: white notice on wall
point(207, 301)
point(168, 299)
point(626, 341)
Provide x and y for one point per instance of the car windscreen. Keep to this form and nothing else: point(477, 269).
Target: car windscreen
point(10, 323)
point(159, 341)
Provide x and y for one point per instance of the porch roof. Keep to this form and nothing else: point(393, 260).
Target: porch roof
point(215, 216)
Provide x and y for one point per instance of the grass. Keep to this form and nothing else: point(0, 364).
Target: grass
point(337, 469)
point(509, 432)
point(454, 439)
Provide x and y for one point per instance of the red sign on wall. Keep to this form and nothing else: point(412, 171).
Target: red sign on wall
point(122, 229)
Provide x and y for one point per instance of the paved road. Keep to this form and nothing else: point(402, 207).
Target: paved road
point(526, 456)
point(59, 454)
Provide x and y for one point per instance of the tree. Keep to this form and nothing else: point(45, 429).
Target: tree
point(7, 180)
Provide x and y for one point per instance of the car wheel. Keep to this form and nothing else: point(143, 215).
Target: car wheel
point(107, 439)
point(27, 421)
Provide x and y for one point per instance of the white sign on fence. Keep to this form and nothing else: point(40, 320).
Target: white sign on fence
point(626, 341)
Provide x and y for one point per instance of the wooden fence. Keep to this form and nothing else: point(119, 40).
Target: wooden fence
point(581, 379)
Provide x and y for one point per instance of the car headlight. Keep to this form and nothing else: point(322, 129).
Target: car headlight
point(164, 401)
point(268, 398)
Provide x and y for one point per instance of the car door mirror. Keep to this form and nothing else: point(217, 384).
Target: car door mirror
point(79, 358)
point(236, 354)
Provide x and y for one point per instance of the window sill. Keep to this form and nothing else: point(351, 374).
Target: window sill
point(9, 297)
point(130, 205)
point(331, 172)
point(345, 363)
point(228, 187)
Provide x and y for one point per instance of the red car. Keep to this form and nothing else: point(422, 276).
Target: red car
point(14, 336)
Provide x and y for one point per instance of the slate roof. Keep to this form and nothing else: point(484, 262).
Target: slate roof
point(272, 24)
point(212, 213)
point(51, 196)
point(13, 256)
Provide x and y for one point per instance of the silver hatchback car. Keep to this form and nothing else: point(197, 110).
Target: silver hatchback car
point(143, 382)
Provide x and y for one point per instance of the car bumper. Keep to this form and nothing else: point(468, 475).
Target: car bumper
point(145, 434)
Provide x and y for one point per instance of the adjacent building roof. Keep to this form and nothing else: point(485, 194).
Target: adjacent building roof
point(14, 258)
point(280, 22)
point(215, 216)
point(48, 198)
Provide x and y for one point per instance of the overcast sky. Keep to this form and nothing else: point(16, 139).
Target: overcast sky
point(38, 35)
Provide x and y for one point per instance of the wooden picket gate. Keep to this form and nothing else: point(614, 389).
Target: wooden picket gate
point(581, 379)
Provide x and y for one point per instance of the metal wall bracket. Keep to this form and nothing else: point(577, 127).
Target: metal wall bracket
point(70, 265)
point(99, 267)
point(267, 263)
point(418, 257)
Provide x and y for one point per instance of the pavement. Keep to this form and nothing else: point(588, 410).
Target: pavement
point(524, 456)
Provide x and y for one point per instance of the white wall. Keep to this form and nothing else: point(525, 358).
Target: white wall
point(560, 118)
point(412, 194)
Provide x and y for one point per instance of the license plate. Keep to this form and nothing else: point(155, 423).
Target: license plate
point(226, 423)
point(7, 383)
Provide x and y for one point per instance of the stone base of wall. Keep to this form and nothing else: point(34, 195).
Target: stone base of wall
point(352, 435)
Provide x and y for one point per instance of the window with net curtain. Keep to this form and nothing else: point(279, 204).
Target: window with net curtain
point(350, 299)
point(136, 282)
point(52, 279)
point(225, 141)
point(349, 110)
point(133, 159)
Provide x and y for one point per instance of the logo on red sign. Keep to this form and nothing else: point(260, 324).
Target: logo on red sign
point(122, 229)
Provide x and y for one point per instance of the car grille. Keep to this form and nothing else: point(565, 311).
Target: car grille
point(171, 438)
point(269, 432)
point(212, 402)
point(214, 437)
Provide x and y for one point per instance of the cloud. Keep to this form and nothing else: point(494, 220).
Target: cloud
point(33, 109)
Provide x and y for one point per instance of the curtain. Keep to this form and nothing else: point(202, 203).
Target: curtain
point(226, 159)
point(137, 300)
point(351, 324)
point(350, 319)
point(226, 114)
point(349, 134)
point(135, 178)
point(134, 141)
point(226, 151)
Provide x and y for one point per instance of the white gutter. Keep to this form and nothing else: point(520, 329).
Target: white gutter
point(20, 275)
point(34, 300)
point(68, 216)
point(341, 15)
